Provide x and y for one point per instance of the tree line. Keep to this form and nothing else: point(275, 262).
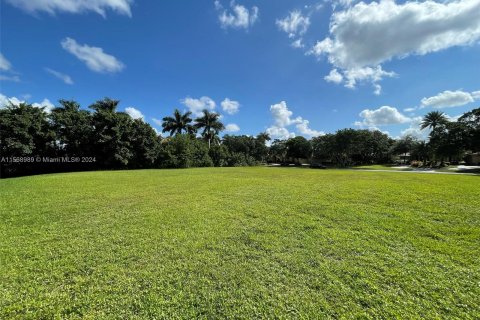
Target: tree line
point(70, 138)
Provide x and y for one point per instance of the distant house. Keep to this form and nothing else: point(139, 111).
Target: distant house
point(403, 157)
point(473, 158)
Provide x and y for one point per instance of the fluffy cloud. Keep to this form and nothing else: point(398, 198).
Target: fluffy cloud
point(362, 35)
point(94, 57)
point(232, 127)
point(334, 76)
point(382, 116)
point(5, 101)
point(65, 78)
point(5, 65)
point(450, 99)
point(281, 115)
point(305, 130)
point(240, 17)
point(134, 113)
point(279, 133)
point(282, 118)
point(230, 106)
point(366, 35)
point(368, 74)
point(73, 6)
point(295, 24)
point(197, 105)
point(45, 104)
point(351, 77)
point(415, 131)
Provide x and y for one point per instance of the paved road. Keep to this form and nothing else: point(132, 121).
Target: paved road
point(417, 171)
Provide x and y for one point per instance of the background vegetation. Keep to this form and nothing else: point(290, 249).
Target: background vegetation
point(113, 140)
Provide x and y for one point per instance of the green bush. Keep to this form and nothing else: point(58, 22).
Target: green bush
point(184, 151)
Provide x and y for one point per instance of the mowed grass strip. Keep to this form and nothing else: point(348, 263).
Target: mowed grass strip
point(240, 243)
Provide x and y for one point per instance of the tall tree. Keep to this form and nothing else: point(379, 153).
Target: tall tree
point(436, 121)
point(433, 120)
point(112, 132)
point(471, 121)
point(299, 148)
point(145, 143)
point(25, 132)
point(405, 145)
point(178, 123)
point(73, 128)
point(278, 151)
point(211, 125)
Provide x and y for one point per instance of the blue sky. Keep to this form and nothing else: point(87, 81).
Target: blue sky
point(286, 67)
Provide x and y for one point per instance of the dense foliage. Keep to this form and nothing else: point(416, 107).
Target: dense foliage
point(71, 138)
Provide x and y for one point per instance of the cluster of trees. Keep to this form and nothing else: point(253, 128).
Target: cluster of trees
point(448, 140)
point(70, 138)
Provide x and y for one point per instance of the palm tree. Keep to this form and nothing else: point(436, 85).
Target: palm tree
point(433, 119)
point(106, 105)
point(211, 125)
point(178, 123)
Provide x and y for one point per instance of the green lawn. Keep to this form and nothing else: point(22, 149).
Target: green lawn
point(240, 243)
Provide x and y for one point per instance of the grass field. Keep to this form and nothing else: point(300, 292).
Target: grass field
point(240, 243)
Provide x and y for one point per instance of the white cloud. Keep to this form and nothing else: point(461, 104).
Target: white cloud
point(298, 43)
point(13, 78)
point(334, 76)
point(412, 109)
point(282, 117)
point(94, 57)
point(279, 133)
point(134, 113)
point(5, 65)
point(46, 104)
point(65, 78)
point(304, 129)
point(449, 99)
point(74, 6)
point(240, 17)
point(365, 74)
point(351, 77)
point(295, 24)
point(414, 129)
point(476, 95)
point(382, 116)
point(197, 105)
point(158, 122)
point(230, 106)
point(368, 34)
point(343, 3)
point(232, 127)
point(5, 101)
